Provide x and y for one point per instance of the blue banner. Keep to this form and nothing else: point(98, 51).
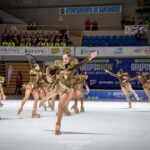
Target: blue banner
point(90, 10)
point(98, 79)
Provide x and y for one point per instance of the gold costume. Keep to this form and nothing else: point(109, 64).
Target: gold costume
point(144, 79)
point(124, 79)
point(2, 80)
point(64, 81)
point(80, 81)
point(37, 80)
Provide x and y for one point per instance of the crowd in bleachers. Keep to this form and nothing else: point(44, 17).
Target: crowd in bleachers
point(52, 38)
point(91, 41)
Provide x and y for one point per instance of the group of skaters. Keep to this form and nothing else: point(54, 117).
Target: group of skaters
point(63, 80)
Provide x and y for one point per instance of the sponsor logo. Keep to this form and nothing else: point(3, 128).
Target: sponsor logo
point(9, 50)
point(87, 51)
point(55, 50)
point(66, 50)
point(34, 51)
point(147, 50)
point(138, 50)
point(92, 82)
point(118, 51)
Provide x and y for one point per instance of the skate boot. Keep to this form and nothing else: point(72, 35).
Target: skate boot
point(35, 115)
point(57, 130)
point(82, 109)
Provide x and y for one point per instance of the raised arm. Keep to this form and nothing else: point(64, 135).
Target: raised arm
point(86, 60)
point(132, 78)
point(111, 73)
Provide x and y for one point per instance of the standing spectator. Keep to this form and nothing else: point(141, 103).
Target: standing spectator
point(34, 25)
point(94, 25)
point(19, 83)
point(133, 21)
point(29, 26)
point(128, 20)
point(123, 22)
point(140, 21)
point(87, 24)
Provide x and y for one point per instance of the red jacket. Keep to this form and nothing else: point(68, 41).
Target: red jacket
point(19, 81)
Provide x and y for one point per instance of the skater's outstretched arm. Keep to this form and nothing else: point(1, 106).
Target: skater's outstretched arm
point(111, 73)
point(86, 60)
point(132, 78)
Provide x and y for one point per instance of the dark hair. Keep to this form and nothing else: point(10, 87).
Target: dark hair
point(34, 65)
point(68, 55)
point(120, 70)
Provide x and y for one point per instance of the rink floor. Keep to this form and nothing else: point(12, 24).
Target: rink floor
point(103, 126)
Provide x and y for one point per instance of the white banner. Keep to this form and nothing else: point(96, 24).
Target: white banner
point(78, 51)
point(114, 51)
point(36, 51)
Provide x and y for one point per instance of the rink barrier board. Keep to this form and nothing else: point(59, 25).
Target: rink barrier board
point(112, 95)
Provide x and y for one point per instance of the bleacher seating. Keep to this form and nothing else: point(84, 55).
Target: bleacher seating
point(93, 41)
point(36, 38)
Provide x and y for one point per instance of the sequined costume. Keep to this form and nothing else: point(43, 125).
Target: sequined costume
point(80, 81)
point(2, 95)
point(144, 79)
point(65, 76)
point(37, 80)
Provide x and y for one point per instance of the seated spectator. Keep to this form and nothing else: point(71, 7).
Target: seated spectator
point(69, 43)
point(5, 43)
point(57, 41)
point(52, 42)
point(40, 43)
point(45, 42)
point(11, 43)
point(23, 42)
point(28, 43)
point(16, 41)
point(35, 39)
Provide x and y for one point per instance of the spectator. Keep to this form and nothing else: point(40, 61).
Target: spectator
point(34, 25)
point(133, 21)
point(94, 25)
point(28, 43)
point(140, 21)
point(19, 83)
point(87, 24)
point(128, 20)
point(123, 22)
point(23, 42)
point(32, 39)
point(29, 26)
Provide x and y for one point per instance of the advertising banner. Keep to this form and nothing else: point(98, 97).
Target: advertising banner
point(36, 51)
point(90, 10)
point(114, 51)
point(99, 79)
